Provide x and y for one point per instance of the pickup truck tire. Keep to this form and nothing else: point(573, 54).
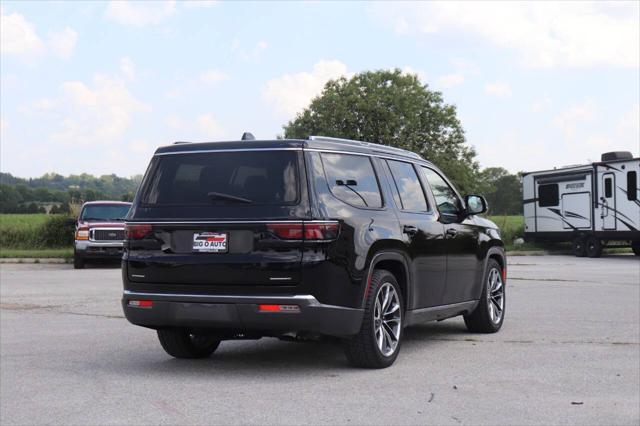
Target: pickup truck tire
point(484, 318)
point(78, 261)
point(180, 343)
point(380, 322)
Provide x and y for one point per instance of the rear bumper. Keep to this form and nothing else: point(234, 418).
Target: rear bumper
point(241, 313)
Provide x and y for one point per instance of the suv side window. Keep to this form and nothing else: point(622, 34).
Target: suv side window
point(446, 198)
point(408, 185)
point(351, 178)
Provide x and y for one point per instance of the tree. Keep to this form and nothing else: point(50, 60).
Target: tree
point(502, 190)
point(395, 109)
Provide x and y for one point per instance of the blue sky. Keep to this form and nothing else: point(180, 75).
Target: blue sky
point(96, 86)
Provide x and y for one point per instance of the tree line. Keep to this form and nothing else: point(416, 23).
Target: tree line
point(19, 195)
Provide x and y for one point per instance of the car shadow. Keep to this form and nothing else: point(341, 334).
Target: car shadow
point(273, 357)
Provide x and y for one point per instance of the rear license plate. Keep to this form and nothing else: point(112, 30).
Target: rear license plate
point(210, 242)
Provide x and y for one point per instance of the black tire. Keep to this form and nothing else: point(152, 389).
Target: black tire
point(78, 261)
point(482, 319)
point(580, 247)
point(362, 350)
point(180, 343)
point(635, 246)
point(594, 247)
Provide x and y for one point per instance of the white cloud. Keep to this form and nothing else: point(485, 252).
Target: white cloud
point(251, 54)
point(140, 13)
point(17, 35)
point(4, 125)
point(542, 105)
point(575, 114)
point(62, 43)
point(630, 121)
point(290, 93)
point(422, 76)
point(199, 4)
point(100, 114)
point(498, 89)
point(128, 68)
point(208, 126)
point(140, 146)
point(543, 34)
point(450, 80)
point(212, 77)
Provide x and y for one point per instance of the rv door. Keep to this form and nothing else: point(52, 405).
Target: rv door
point(608, 201)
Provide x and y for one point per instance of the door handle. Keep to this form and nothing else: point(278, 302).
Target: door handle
point(451, 232)
point(410, 230)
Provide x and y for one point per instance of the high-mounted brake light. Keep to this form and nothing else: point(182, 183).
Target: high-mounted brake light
point(305, 230)
point(136, 232)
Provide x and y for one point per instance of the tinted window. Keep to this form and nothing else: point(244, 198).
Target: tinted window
point(632, 186)
point(608, 188)
point(446, 198)
point(548, 195)
point(351, 179)
point(408, 185)
point(216, 178)
point(104, 212)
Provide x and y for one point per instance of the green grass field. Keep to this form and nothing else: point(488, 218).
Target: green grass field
point(66, 253)
point(21, 221)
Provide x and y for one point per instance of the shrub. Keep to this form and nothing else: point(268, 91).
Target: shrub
point(56, 232)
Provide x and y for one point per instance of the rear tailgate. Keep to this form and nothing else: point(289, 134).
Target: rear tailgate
point(220, 217)
point(246, 253)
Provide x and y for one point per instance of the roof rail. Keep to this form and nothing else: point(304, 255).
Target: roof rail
point(374, 146)
point(180, 142)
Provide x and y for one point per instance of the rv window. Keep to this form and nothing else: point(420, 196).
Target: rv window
point(548, 195)
point(608, 190)
point(632, 186)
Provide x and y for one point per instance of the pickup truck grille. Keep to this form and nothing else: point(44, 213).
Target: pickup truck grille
point(107, 234)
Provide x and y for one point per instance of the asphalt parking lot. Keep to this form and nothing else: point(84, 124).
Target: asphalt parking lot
point(569, 353)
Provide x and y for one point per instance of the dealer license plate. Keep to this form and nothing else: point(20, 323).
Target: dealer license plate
point(210, 242)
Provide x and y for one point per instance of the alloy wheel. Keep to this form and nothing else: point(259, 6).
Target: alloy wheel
point(387, 317)
point(495, 296)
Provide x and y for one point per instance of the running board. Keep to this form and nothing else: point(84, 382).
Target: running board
point(434, 313)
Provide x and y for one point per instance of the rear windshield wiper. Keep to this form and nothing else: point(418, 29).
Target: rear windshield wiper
point(227, 197)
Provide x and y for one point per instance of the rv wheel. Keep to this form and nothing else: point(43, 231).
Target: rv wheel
point(580, 247)
point(594, 247)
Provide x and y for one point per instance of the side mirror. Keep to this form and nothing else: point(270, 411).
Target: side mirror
point(476, 204)
point(70, 222)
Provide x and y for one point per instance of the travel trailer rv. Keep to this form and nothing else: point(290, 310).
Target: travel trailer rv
point(590, 205)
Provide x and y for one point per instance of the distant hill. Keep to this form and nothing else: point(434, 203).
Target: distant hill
point(17, 193)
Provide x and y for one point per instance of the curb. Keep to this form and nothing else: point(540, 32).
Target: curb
point(46, 260)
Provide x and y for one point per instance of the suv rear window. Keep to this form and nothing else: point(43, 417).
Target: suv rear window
point(247, 177)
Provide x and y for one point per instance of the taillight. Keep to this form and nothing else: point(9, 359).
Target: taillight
point(321, 231)
point(286, 231)
point(136, 232)
point(305, 230)
point(82, 233)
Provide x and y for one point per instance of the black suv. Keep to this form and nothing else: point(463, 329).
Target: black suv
point(305, 238)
